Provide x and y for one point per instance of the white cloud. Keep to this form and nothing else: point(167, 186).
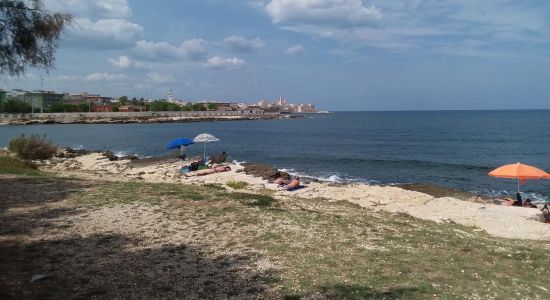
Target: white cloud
point(124, 62)
point(219, 63)
point(191, 49)
point(92, 9)
point(103, 34)
point(297, 49)
point(160, 78)
point(104, 77)
point(68, 77)
point(237, 43)
point(336, 12)
point(414, 24)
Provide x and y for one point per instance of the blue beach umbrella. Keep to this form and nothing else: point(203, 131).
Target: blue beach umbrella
point(179, 143)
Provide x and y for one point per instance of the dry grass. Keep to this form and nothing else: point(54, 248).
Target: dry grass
point(118, 239)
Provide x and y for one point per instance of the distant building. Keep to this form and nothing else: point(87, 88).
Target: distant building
point(254, 109)
point(84, 97)
point(264, 103)
point(306, 108)
point(102, 108)
point(132, 108)
point(282, 101)
point(39, 100)
point(224, 106)
point(16, 95)
point(171, 96)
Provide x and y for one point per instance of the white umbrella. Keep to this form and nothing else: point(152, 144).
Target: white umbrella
point(205, 138)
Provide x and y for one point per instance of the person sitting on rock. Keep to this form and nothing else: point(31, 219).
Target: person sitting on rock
point(546, 213)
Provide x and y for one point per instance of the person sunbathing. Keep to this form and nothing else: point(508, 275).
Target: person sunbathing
point(512, 202)
point(280, 181)
point(527, 203)
point(507, 201)
point(293, 184)
point(217, 169)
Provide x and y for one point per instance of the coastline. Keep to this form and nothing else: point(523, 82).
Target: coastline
point(135, 120)
point(463, 208)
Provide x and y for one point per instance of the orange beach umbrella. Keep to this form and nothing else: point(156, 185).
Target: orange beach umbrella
point(520, 172)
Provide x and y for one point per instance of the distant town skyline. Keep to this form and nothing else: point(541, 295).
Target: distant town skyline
point(335, 54)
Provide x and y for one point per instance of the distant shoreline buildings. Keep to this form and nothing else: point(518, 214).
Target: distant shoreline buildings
point(51, 101)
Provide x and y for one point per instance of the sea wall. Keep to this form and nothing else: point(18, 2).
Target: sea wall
point(133, 117)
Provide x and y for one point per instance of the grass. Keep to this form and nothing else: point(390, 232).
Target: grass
point(238, 185)
point(342, 251)
point(14, 166)
point(157, 193)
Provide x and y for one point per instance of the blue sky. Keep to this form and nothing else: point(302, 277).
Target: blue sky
point(336, 54)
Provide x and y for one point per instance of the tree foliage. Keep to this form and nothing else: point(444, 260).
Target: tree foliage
point(29, 35)
point(122, 100)
point(14, 106)
point(64, 107)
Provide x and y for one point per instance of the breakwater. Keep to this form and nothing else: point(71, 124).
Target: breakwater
point(133, 117)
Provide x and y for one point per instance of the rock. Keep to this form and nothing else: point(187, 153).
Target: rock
point(130, 157)
point(110, 155)
point(264, 171)
point(70, 153)
point(39, 277)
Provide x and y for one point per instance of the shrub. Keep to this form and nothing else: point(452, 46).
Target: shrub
point(238, 185)
point(32, 147)
point(254, 199)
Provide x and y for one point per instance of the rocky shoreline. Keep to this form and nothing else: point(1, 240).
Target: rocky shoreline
point(140, 120)
point(423, 202)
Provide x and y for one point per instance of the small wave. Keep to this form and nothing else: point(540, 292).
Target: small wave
point(123, 153)
point(535, 197)
point(330, 177)
point(78, 147)
point(238, 163)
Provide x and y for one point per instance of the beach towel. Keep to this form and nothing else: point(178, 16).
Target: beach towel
point(296, 188)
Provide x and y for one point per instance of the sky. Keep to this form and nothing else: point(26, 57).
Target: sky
point(336, 54)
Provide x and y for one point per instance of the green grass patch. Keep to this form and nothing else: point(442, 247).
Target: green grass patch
point(238, 185)
point(14, 166)
point(156, 193)
point(254, 199)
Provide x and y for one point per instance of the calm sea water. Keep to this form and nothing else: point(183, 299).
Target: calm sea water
point(446, 148)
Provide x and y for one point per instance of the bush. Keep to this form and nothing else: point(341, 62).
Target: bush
point(32, 147)
point(238, 185)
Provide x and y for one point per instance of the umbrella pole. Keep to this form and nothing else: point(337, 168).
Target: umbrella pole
point(518, 185)
point(204, 153)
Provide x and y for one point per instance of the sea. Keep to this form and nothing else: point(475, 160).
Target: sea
point(454, 149)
